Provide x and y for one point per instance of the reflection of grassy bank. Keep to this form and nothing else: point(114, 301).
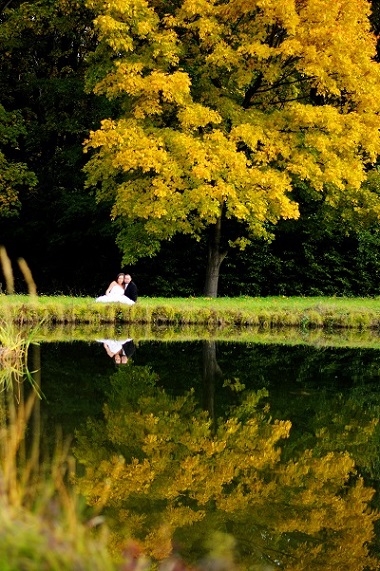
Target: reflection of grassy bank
point(307, 313)
point(318, 337)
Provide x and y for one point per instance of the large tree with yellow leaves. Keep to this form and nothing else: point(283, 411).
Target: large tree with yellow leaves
point(223, 107)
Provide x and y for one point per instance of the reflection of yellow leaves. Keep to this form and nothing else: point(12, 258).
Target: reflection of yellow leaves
point(176, 472)
point(160, 542)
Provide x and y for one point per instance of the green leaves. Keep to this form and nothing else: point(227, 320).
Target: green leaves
point(14, 175)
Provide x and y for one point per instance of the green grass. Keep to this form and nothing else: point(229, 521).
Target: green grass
point(263, 312)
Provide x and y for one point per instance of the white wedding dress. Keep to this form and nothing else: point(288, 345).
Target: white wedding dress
point(116, 294)
point(114, 345)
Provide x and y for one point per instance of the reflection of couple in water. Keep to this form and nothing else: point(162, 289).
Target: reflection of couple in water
point(122, 290)
point(119, 351)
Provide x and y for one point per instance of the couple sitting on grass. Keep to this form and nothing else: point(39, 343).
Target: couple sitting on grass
point(122, 290)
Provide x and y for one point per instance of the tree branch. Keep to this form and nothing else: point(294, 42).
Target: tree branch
point(252, 89)
point(5, 7)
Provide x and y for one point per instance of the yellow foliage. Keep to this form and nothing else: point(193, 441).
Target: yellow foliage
point(158, 465)
point(226, 106)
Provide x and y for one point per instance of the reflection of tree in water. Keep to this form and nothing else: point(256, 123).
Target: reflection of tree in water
point(211, 372)
point(162, 471)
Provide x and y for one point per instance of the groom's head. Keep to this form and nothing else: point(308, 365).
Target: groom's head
point(127, 279)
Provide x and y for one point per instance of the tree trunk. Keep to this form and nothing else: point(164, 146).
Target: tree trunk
point(215, 258)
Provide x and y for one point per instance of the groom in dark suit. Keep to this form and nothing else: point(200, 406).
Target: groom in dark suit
point(130, 288)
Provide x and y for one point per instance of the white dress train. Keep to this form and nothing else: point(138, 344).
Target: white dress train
point(116, 294)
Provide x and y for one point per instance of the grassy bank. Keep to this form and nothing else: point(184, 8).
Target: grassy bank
point(268, 312)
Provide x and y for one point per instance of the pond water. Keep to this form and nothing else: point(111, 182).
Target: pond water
point(268, 453)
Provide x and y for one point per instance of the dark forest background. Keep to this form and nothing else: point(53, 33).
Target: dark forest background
point(68, 239)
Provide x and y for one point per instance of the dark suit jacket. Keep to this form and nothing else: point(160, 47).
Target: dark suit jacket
point(129, 348)
point(131, 291)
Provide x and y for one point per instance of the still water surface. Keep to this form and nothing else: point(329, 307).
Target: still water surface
point(268, 451)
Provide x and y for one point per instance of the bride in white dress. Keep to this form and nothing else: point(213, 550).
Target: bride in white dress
point(115, 292)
